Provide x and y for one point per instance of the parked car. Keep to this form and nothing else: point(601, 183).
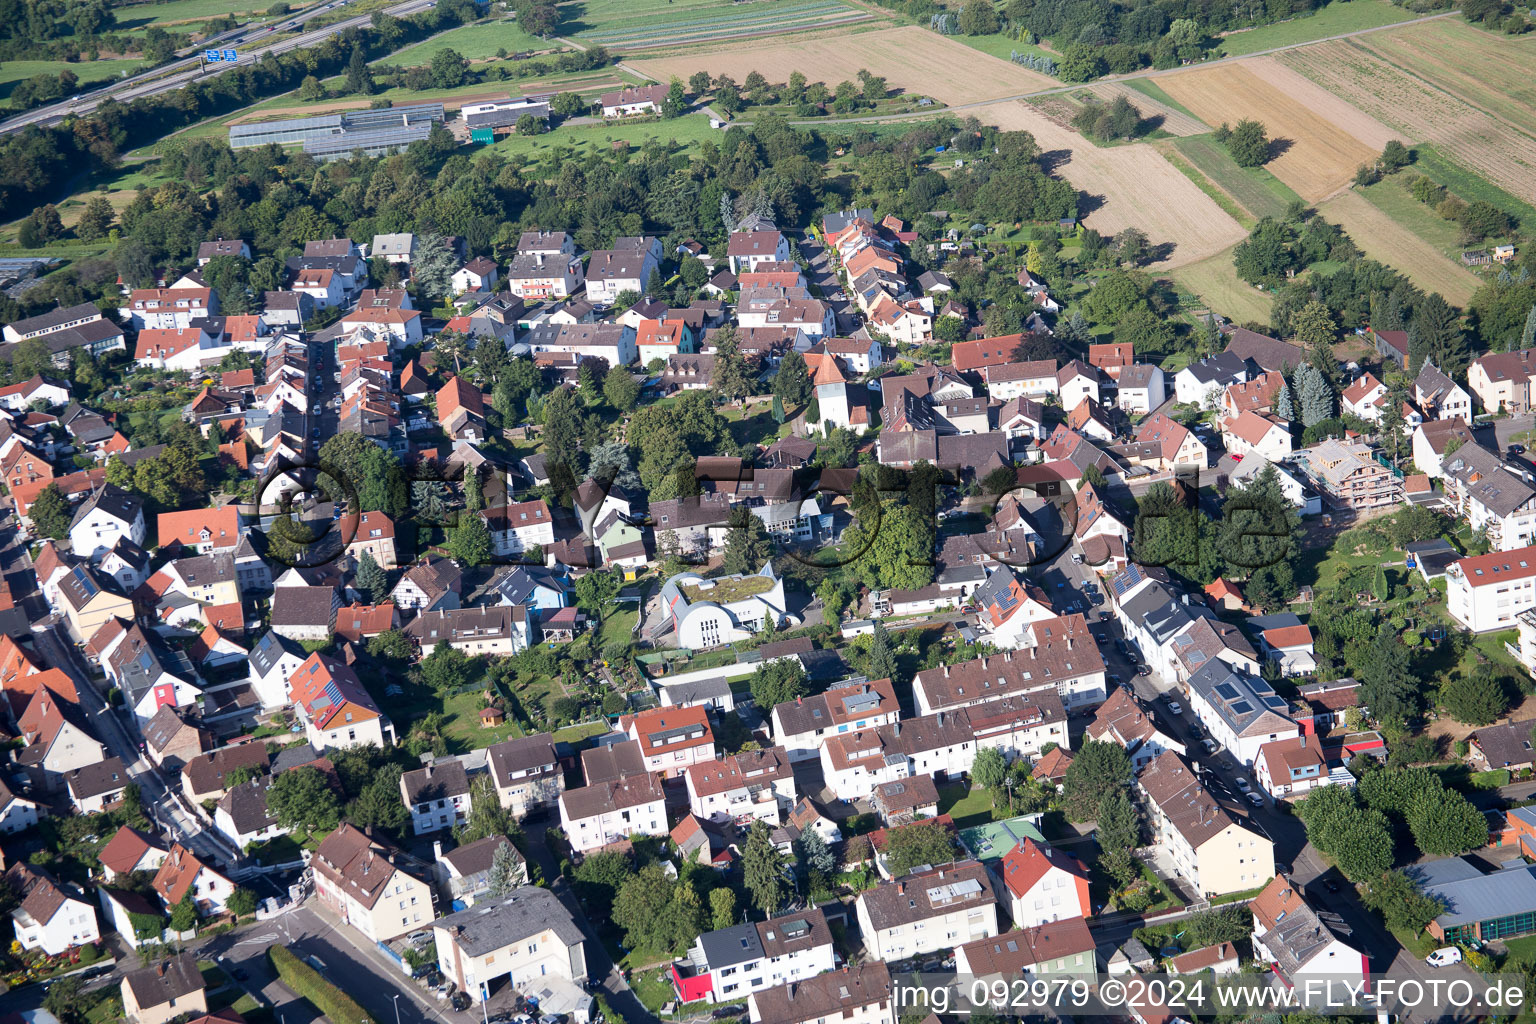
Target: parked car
point(1175, 709)
point(734, 1010)
point(460, 1001)
point(1256, 799)
point(1242, 784)
point(1444, 957)
point(1209, 745)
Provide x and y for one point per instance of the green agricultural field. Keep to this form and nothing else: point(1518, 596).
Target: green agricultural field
point(1228, 205)
point(1335, 19)
point(476, 42)
point(167, 12)
point(1256, 189)
point(1390, 197)
point(1150, 89)
point(647, 23)
point(13, 72)
point(1003, 47)
point(687, 131)
point(1468, 185)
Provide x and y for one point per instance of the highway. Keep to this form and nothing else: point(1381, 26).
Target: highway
point(190, 68)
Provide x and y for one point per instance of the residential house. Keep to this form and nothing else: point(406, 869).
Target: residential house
point(305, 613)
point(183, 874)
point(205, 531)
point(1488, 592)
point(1251, 433)
point(365, 882)
point(464, 873)
point(1308, 949)
point(537, 276)
point(1121, 720)
point(1439, 397)
point(527, 937)
point(1141, 389)
point(437, 796)
point(1044, 885)
point(598, 815)
point(1064, 947)
point(1365, 397)
point(1502, 380)
point(1203, 383)
point(1291, 767)
point(1502, 746)
point(47, 915)
point(98, 787)
point(754, 784)
point(631, 100)
point(204, 776)
point(334, 707)
point(671, 739)
point(110, 514)
point(1240, 710)
point(430, 585)
point(730, 964)
point(801, 726)
point(939, 908)
point(852, 995)
point(242, 814)
point(1208, 847)
point(130, 850)
point(170, 990)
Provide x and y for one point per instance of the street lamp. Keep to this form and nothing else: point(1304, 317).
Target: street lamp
point(396, 998)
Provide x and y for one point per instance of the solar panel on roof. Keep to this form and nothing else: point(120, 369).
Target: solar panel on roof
point(1275, 702)
point(1226, 691)
point(1242, 707)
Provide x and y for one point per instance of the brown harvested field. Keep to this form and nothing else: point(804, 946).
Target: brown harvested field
point(1471, 137)
point(1130, 186)
point(1468, 62)
point(1175, 122)
point(915, 60)
point(1320, 156)
point(1384, 239)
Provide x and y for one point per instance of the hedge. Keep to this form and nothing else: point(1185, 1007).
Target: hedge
point(306, 982)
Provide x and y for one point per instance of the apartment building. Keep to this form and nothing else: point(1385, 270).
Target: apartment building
point(671, 739)
point(527, 773)
point(800, 726)
point(523, 937)
point(935, 909)
point(730, 964)
point(751, 785)
point(1071, 665)
point(1488, 592)
point(597, 815)
point(1240, 710)
point(1044, 885)
point(852, 995)
point(1214, 853)
point(1349, 474)
point(363, 881)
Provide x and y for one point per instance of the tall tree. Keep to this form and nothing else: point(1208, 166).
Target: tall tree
point(506, 873)
point(1387, 684)
point(1437, 327)
point(1315, 330)
point(562, 428)
point(762, 869)
point(792, 381)
point(50, 513)
point(1118, 834)
point(882, 660)
point(748, 546)
point(722, 907)
point(1316, 396)
point(1097, 771)
point(487, 817)
point(470, 541)
point(731, 377)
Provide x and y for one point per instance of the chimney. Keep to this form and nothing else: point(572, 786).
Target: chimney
point(1007, 657)
point(437, 849)
point(946, 671)
point(1070, 642)
point(1034, 652)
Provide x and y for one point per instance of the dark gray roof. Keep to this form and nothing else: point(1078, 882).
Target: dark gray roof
point(170, 979)
point(246, 805)
point(55, 317)
point(304, 606)
point(737, 944)
point(106, 776)
point(113, 500)
point(1226, 366)
point(1485, 479)
point(475, 858)
point(164, 727)
point(294, 757)
point(270, 648)
point(1244, 702)
point(525, 754)
point(929, 894)
point(1163, 616)
point(494, 924)
point(441, 781)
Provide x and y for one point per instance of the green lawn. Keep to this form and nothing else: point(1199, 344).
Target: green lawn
point(967, 805)
point(141, 15)
point(13, 72)
point(476, 42)
point(462, 721)
point(1390, 197)
point(1468, 185)
point(1260, 192)
point(576, 733)
point(1003, 47)
point(1335, 19)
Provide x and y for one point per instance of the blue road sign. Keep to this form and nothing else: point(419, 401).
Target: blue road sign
point(216, 56)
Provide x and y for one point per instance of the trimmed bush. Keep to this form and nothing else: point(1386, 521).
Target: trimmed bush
point(307, 983)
